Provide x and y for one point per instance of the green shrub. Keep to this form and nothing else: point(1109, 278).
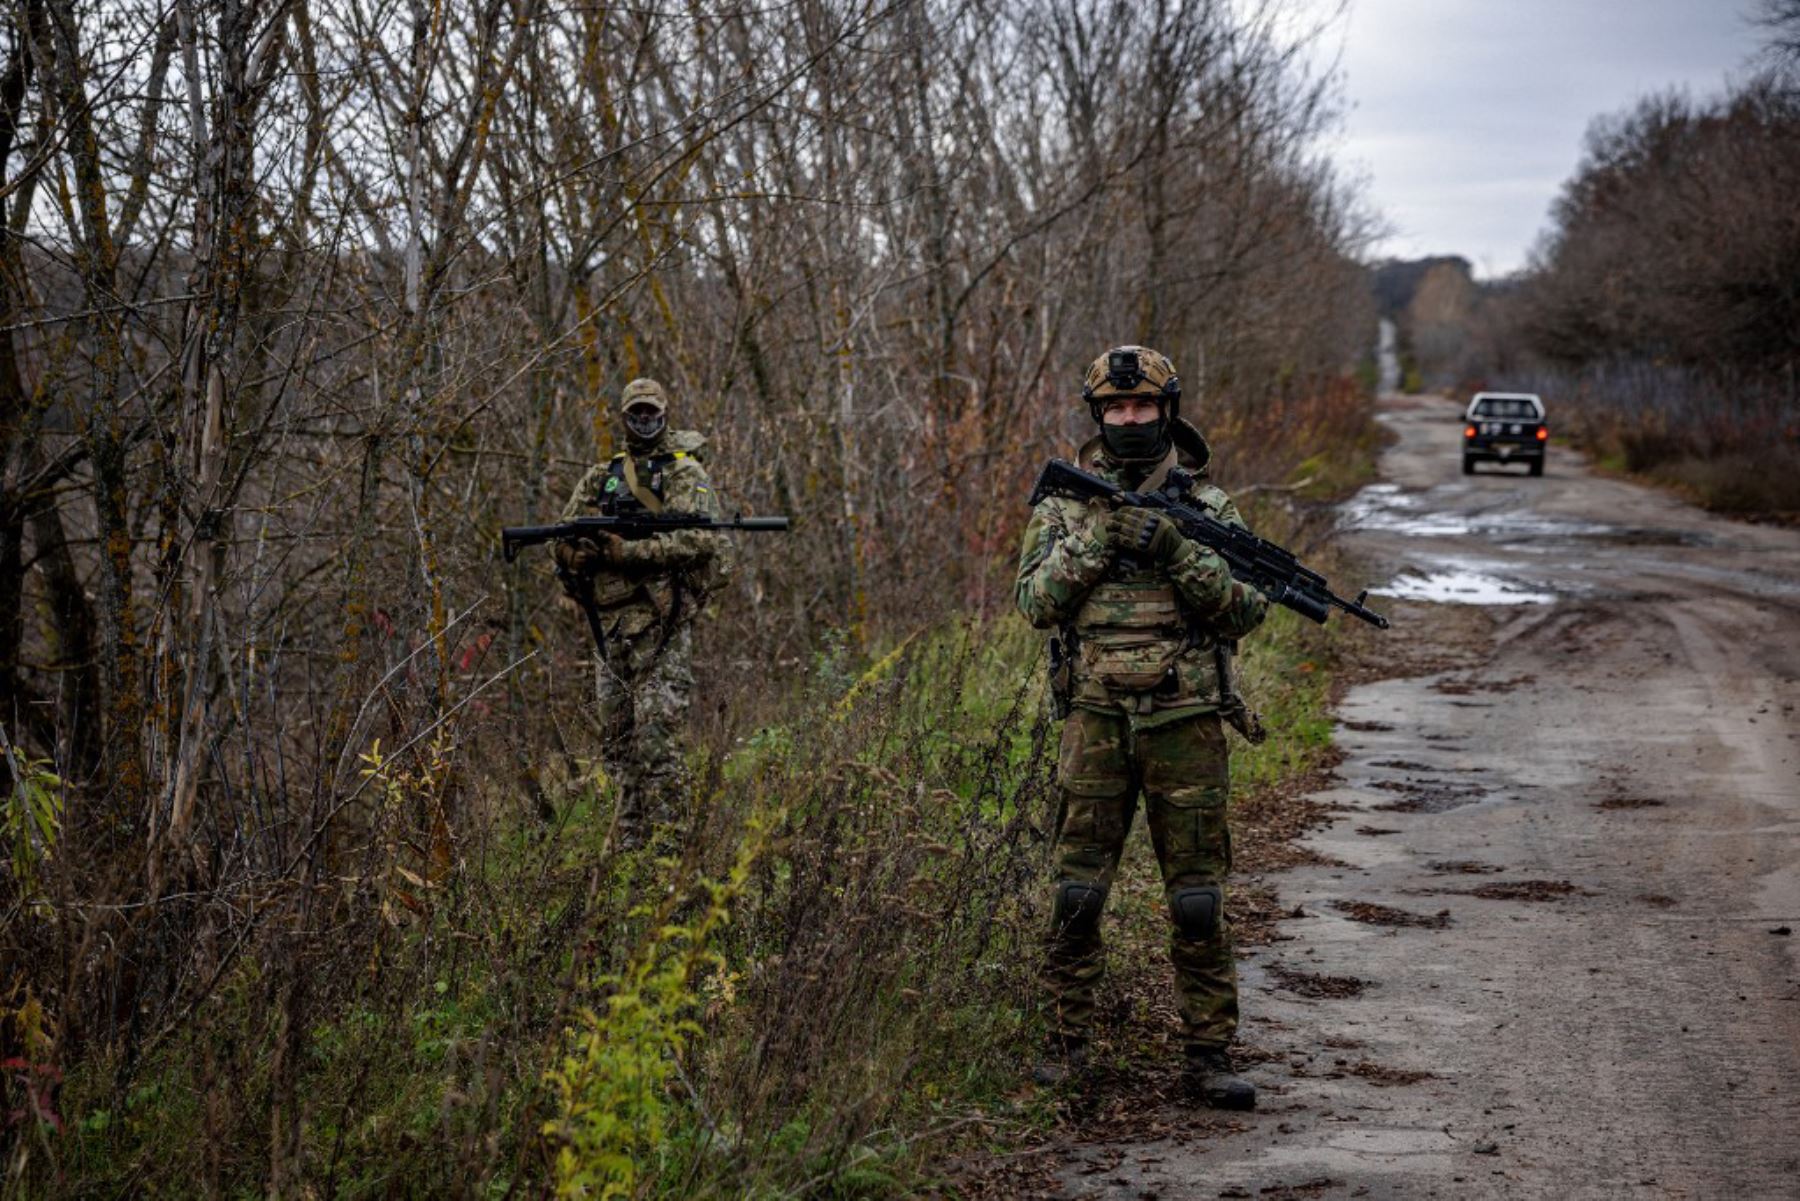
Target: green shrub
point(614, 1115)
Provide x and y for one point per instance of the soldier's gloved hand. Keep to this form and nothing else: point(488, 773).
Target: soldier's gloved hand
point(579, 556)
point(1146, 534)
point(611, 548)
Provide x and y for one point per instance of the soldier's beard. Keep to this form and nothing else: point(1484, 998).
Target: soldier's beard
point(1137, 443)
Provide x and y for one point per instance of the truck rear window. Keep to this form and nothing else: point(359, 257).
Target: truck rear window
point(1506, 408)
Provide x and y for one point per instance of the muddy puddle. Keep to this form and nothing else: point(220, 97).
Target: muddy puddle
point(1440, 513)
point(1462, 585)
point(1386, 507)
point(1429, 801)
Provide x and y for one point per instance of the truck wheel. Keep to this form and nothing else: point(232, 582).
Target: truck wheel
point(1468, 465)
point(1537, 467)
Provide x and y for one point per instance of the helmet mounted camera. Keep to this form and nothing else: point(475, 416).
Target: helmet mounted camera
point(1124, 370)
point(1132, 371)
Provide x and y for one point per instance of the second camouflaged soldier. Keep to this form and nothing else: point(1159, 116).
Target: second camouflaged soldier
point(646, 593)
point(1147, 622)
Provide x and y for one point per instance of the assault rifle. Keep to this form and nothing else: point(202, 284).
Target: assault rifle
point(1276, 572)
point(630, 527)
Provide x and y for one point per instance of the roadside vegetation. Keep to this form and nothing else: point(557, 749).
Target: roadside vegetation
point(304, 888)
point(831, 991)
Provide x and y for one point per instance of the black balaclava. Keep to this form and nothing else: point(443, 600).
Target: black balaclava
point(1144, 443)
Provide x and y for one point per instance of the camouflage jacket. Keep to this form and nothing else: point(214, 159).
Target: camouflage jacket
point(674, 470)
point(1150, 641)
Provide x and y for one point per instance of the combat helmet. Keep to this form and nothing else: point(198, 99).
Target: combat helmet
point(1132, 371)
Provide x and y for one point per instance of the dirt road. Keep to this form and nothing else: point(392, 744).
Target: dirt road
point(1559, 952)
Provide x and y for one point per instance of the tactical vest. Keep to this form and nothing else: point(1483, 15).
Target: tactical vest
point(1137, 647)
point(625, 493)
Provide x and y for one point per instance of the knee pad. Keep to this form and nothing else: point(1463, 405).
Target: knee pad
point(1078, 906)
point(1197, 911)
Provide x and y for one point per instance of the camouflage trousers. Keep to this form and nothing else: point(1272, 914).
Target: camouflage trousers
point(642, 688)
point(1183, 771)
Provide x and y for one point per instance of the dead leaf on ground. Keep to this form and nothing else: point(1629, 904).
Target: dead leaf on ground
point(1387, 1077)
point(1466, 867)
point(1627, 802)
point(1465, 686)
point(1526, 890)
point(1432, 800)
point(1309, 1188)
point(1309, 984)
point(1372, 914)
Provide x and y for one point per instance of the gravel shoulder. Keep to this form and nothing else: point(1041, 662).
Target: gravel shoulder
point(1547, 947)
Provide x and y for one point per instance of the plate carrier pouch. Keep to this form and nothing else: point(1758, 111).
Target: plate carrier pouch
point(1129, 632)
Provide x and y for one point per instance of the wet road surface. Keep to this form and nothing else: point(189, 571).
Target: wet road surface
point(1555, 951)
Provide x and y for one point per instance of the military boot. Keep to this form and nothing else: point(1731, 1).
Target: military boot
point(1209, 1077)
point(1064, 1056)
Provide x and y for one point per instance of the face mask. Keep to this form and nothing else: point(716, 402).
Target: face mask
point(1136, 442)
point(644, 425)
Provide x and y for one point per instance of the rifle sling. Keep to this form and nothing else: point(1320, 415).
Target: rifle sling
point(1159, 474)
point(1232, 707)
point(1085, 456)
point(645, 496)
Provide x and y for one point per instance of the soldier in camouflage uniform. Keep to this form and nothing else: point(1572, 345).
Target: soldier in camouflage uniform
point(1147, 623)
point(646, 593)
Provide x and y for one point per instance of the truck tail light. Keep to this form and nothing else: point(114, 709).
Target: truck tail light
point(1543, 433)
point(1468, 431)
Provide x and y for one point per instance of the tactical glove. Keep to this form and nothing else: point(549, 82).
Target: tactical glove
point(625, 552)
point(1146, 534)
point(578, 556)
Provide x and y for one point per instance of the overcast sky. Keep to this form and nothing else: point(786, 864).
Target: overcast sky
point(1466, 116)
